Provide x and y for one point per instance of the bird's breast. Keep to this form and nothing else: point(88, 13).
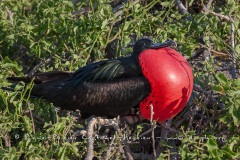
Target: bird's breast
point(171, 81)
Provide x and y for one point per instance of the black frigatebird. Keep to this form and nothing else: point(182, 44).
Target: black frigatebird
point(104, 88)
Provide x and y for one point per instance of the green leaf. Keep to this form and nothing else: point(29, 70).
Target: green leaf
point(236, 82)
point(191, 2)
point(234, 110)
point(11, 37)
point(218, 88)
point(237, 48)
point(165, 4)
point(228, 150)
point(104, 23)
point(69, 3)
point(221, 78)
point(213, 148)
point(72, 147)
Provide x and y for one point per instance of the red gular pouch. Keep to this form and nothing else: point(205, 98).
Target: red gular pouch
point(171, 82)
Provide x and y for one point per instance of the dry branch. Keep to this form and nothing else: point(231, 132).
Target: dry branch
point(181, 7)
point(206, 11)
point(90, 136)
point(208, 95)
point(209, 3)
point(233, 54)
point(153, 125)
point(10, 15)
point(31, 115)
point(34, 70)
point(109, 150)
point(91, 133)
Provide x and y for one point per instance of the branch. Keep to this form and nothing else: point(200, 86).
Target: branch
point(209, 4)
point(6, 138)
point(34, 70)
point(127, 150)
point(181, 7)
point(233, 66)
point(90, 136)
point(10, 14)
point(118, 10)
point(208, 95)
point(77, 133)
point(146, 132)
point(193, 113)
point(206, 11)
point(164, 133)
point(196, 54)
point(31, 115)
point(153, 125)
point(109, 150)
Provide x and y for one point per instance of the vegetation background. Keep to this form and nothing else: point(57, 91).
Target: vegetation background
point(43, 35)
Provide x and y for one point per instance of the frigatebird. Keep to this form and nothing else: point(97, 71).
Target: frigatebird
point(104, 88)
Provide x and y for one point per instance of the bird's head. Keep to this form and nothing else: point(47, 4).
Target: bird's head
point(146, 43)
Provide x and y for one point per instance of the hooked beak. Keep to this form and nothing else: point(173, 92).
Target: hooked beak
point(170, 43)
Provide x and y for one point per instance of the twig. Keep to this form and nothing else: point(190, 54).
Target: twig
point(146, 132)
point(173, 150)
point(109, 150)
point(206, 11)
point(6, 138)
point(34, 70)
point(118, 10)
point(40, 120)
point(80, 133)
point(194, 111)
point(196, 54)
point(233, 54)
point(181, 7)
point(77, 133)
point(198, 88)
point(164, 133)
point(186, 4)
point(185, 117)
point(84, 10)
point(90, 137)
point(10, 14)
point(127, 150)
point(209, 4)
point(1, 58)
point(218, 53)
point(201, 120)
point(30, 111)
point(153, 124)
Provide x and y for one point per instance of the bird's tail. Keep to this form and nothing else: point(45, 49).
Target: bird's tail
point(37, 79)
point(19, 79)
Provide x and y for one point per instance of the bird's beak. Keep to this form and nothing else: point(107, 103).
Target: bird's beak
point(170, 43)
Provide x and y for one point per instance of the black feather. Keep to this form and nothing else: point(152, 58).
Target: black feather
point(109, 87)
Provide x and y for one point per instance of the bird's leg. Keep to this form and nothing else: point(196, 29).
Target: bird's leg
point(132, 119)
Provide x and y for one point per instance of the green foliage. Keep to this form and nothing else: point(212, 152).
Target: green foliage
point(31, 31)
